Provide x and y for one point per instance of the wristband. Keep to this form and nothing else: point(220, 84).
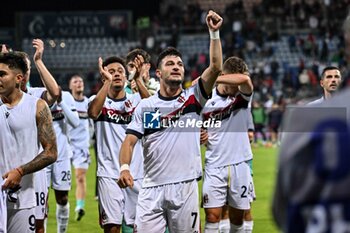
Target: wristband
point(125, 167)
point(214, 35)
point(19, 171)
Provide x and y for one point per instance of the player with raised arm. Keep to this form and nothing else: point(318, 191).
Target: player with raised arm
point(49, 93)
point(23, 157)
point(150, 83)
point(227, 175)
point(112, 109)
point(172, 159)
point(63, 112)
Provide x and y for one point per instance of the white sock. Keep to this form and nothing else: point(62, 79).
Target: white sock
point(211, 227)
point(248, 226)
point(45, 223)
point(224, 226)
point(236, 228)
point(62, 217)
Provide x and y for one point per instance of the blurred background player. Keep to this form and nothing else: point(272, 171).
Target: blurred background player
point(330, 83)
point(59, 174)
point(80, 142)
point(151, 83)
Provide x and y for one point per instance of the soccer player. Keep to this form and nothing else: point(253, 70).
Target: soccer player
point(330, 82)
point(172, 159)
point(80, 142)
point(112, 109)
point(50, 95)
point(224, 225)
point(151, 83)
point(64, 114)
point(227, 176)
point(20, 138)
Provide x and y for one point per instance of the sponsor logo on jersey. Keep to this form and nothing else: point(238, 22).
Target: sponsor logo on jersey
point(115, 116)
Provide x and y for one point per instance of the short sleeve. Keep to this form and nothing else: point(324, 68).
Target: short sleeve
point(136, 125)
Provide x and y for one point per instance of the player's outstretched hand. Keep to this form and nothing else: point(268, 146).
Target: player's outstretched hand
point(104, 71)
point(214, 21)
point(39, 49)
point(125, 179)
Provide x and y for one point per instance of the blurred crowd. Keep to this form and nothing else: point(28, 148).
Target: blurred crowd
point(312, 29)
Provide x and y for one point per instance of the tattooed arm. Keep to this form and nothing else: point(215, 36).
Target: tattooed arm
point(47, 138)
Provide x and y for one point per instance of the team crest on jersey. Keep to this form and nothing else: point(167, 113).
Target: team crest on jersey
point(181, 99)
point(128, 104)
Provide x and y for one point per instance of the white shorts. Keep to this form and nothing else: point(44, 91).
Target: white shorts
point(172, 205)
point(22, 220)
point(3, 211)
point(116, 203)
point(60, 174)
point(81, 158)
point(227, 185)
point(41, 190)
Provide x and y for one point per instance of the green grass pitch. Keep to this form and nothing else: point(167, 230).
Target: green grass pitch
point(264, 166)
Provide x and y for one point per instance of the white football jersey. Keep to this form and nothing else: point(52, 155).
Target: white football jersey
point(19, 144)
point(80, 136)
point(228, 144)
point(110, 129)
point(36, 91)
point(60, 125)
point(171, 146)
point(317, 101)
